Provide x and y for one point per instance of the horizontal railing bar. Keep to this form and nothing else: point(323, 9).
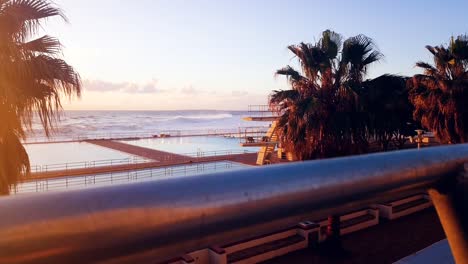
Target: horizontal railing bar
point(156, 220)
point(87, 164)
point(70, 181)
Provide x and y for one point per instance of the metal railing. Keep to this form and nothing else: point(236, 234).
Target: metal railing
point(74, 182)
point(86, 164)
point(264, 111)
point(253, 134)
point(133, 135)
point(264, 108)
point(215, 153)
point(156, 220)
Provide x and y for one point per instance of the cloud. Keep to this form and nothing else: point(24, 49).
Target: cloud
point(190, 90)
point(238, 93)
point(154, 87)
point(124, 87)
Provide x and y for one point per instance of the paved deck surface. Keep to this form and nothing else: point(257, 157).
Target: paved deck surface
point(148, 153)
point(384, 243)
point(436, 253)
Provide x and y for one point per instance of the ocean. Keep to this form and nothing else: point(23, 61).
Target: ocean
point(80, 124)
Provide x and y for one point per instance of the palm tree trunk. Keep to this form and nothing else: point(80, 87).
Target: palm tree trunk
point(4, 189)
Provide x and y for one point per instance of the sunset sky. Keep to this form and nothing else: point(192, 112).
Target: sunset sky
point(175, 54)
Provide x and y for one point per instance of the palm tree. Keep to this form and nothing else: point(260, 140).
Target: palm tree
point(440, 94)
point(32, 80)
point(322, 115)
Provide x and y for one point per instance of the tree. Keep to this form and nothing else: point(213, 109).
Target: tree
point(440, 94)
point(322, 115)
point(33, 78)
point(390, 120)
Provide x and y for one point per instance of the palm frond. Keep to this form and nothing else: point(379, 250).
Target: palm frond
point(290, 73)
point(331, 43)
point(279, 96)
point(44, 44)
point(459, 47)
point(23, 17)
point(360, 50)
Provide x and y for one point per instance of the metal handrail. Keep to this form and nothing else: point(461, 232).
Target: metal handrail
point(158, 220)
point(253, 135)
point(86, 164)
point(51, 184)
point(264, 108)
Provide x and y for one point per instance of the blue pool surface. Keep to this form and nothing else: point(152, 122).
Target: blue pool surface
point(192, 145)
point(90, 181)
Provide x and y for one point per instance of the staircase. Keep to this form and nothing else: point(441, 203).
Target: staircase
point(266, 152)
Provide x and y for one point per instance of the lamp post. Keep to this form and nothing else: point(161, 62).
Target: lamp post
point(420, 133)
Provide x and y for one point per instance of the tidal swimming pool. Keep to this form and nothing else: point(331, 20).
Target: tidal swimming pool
point(194, 146)
point(50, 154)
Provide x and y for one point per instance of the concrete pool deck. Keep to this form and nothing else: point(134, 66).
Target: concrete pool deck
point(161, 159)
point(156, 155)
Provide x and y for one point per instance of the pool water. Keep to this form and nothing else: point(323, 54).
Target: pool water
point(60, 153)
point(88, 181)
point(192, 145)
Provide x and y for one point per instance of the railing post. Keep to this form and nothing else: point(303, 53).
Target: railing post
point(450, 202)
point(333, 231)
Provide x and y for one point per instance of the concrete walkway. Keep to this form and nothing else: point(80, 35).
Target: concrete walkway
point(153, 154)
point(386, 242)
point(437, 253)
